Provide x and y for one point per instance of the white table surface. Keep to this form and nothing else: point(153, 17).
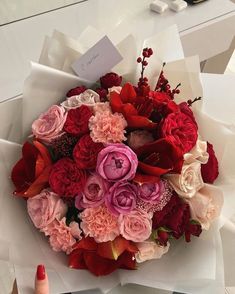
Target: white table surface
point(206, 29)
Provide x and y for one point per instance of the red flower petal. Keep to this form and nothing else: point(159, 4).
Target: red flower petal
point(113, 249)
point(137, 121)
point(128, 93)
point(76, 260)
point(115, 102)
point(141, 179)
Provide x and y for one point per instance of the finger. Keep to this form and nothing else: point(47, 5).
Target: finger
point(14, 290)
point(41, 281)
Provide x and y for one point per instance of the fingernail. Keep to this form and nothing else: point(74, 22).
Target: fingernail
point(41, 275)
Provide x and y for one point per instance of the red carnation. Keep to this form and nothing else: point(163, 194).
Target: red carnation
point(77, 121)
point(103, 258)
point(181, 130)
point(110, 80)
point(66, 179)
point(86, 151)
point(76, 91)
point(210, 170)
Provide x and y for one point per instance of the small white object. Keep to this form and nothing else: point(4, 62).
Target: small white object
point(158, 6)
point(178, 5)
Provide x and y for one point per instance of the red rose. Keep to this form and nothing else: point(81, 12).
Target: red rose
point(159, 157)
point(85, 152)
point(184, 107)
point(66, 179)
point(102, 93)
point(175, 216)
point(210, 170)
point(77, 121)
point(110, 80)
point(103, 258)
point(181, 130)
point(31, 173)
point(76, 91)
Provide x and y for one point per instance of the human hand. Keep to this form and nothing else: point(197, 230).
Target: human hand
point(41, 282)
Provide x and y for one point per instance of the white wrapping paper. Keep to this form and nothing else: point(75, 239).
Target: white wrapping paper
point(196, 267)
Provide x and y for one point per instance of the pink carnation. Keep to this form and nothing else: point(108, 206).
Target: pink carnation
point(135, 226)
point(99, 223)
point(45, 207)
point(50, 124)
point(62, 237)
point(107, 127)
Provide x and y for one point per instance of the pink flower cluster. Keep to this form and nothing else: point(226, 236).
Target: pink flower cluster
point(115, 173)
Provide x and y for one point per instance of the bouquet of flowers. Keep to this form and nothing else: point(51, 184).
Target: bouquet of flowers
point(115, 173)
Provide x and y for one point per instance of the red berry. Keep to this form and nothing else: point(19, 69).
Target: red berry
point(177, 91)
point(150, 51)
point(145, 79)
point(145, 54)
point(145, 63)
point(139, 59)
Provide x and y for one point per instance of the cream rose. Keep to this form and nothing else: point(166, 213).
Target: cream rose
point(206, 205)
point(198, 153)
point(150, 250)
point(189, 181)
point(88, 98)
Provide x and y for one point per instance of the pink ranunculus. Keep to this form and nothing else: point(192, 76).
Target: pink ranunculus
point(150, 250)
point(61, 236)
point(206, 205)
point(121, 198)
point(93, 192)
point(135, 226)
point(49, 125)
point(45, 207)
point(99, 223)
point(139, 138)
point(117, 162)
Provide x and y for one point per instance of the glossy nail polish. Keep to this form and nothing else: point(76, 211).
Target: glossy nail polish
point(41, 272)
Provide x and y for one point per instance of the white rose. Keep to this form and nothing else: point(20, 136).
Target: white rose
point(206, 205)
point(88, 98)
point(189, 181)
point(198, 153)
point(150, 250)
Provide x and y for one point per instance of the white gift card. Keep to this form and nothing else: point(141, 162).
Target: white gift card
point(97, 61)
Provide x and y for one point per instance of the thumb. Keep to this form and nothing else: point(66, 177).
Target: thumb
point(41, 281)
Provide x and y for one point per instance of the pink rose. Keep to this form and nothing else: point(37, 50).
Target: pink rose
point(206, 205)
point(139, 138)
point(50, 124)
point(93, 192)
point(121, 198)
point(117, 162)
point(150, 250)
point(135, 226)
point(99, 223)
point(45, 207)
point(151, 192)
point(61, 236)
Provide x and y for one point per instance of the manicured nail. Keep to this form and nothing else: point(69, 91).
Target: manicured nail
point(41, 275)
